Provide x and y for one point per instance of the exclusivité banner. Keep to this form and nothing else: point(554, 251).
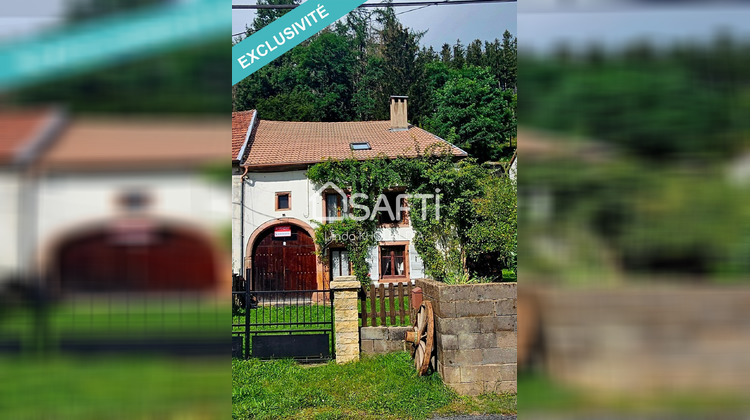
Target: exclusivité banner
point(285, 33)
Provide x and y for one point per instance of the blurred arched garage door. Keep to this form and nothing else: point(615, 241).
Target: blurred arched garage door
point(136, 256)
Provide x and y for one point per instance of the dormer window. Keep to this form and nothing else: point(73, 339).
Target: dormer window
point(360, 146)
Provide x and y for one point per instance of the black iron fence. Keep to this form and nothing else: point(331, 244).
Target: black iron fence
point(170, 323)
point(294, 324)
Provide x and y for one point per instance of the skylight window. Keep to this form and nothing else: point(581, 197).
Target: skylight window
point(360, 146)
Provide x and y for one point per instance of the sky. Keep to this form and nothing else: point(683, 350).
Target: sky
point(540, 25)
point(444, 24)
point(21, 18)
point(543, 28)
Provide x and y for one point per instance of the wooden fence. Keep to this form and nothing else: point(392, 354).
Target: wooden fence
point(386, 305)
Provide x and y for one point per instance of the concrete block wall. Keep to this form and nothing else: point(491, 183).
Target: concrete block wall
point(476, 335)
point(647, 339)
point(381, 340)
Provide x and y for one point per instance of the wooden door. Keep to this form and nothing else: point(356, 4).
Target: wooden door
point(166, 260)
point(284, 263)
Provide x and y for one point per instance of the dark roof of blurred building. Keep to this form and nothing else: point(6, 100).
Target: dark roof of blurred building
point(23, 133)
point(278, 145)
point(241, 122)
point(137, 143)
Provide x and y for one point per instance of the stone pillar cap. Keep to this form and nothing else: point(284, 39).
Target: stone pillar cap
point(345, 283)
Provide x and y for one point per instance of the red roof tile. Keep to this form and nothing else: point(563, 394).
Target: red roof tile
point(279, 143)
point(18, 128)
point(240, 124)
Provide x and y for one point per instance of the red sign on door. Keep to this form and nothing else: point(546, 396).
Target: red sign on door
point(282, 232)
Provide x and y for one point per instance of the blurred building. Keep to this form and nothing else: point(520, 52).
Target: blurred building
point(24, 134)
point(115, 204)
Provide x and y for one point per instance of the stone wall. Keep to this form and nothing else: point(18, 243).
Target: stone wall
point(644, 340)
point(476, 335)
point(381, 340)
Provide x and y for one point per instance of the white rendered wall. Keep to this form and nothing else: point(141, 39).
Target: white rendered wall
point(307, 206)
point(67, 201)
point(9, 196)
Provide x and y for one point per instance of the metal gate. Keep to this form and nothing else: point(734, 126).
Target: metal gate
point(294, 324)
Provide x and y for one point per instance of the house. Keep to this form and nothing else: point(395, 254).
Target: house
point(276, 207)
point(113, 204)
point(126, 204)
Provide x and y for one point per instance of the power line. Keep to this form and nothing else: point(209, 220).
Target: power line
point(394, 4)
point(411, 10)
point(400, 13)
point(422, 5)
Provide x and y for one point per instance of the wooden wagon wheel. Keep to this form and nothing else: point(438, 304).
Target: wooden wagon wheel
point(422, 339)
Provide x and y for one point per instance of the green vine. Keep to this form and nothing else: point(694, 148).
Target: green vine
point(369, 178)
point(473, 237)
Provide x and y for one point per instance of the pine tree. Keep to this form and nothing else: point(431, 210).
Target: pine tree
point(445, 54)
point(458, 55)
point(474, 53)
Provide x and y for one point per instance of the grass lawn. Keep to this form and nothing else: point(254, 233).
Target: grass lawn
point(98, 318)
point(542, 395)
point(98, 315)
point(267, 316)
point(381, 387)
point(109, 388)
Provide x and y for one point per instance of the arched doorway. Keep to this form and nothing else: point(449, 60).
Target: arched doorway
point(135, 256)
point(283, 258)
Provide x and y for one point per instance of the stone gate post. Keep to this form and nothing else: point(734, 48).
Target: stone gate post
point(346, 318)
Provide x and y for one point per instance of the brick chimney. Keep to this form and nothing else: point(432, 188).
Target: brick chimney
point(398, 113)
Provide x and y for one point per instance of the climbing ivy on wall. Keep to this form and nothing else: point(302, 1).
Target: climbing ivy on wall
point(368, 178)
point(472, 234)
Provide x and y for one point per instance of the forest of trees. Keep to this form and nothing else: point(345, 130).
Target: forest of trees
point(463, 93)
point(675, 118)
point(191, 79)
point(687, 101)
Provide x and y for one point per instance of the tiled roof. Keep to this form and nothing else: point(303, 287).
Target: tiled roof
point(279, 143)
point(535, 144)
point(240, 124)
point(18, 129)
point(126, 143)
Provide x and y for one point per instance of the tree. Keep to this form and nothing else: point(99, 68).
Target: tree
point(263, 17)
point(91, 9)
point(658, 113)
point(398, 48)
point(493, 239)
point(509, 62)
point(474, 56)
point(475, 114)
point(476, 209)
point(445, 54)
point(458, 55)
